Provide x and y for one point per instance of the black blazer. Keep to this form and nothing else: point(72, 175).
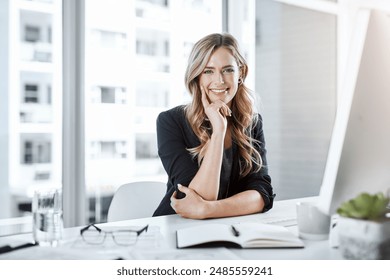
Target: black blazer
point(175, 136)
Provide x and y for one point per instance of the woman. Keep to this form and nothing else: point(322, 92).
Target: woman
point(213, 149)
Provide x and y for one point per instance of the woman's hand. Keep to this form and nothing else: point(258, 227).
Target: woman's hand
point(216, 112)
point(192, 206)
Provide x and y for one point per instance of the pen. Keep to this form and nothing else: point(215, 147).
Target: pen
point(7, 248)
point(235, 231)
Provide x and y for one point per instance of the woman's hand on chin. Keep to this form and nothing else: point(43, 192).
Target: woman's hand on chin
point(217, 112)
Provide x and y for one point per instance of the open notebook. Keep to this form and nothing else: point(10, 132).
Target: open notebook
point(244, 235)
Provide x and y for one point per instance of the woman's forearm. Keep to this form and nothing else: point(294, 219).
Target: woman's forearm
point(206, 181)
point(244, 203)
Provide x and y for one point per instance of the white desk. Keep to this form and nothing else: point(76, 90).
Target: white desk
point(283, 213)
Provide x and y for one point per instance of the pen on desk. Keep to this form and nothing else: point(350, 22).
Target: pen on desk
point(7, 248)
point(235, 231)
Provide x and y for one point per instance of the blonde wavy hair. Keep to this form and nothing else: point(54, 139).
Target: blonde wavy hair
point(243, 117)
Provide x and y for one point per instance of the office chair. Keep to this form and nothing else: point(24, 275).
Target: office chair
point(136, 200)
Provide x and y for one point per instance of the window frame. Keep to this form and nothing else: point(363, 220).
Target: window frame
point(73, 151)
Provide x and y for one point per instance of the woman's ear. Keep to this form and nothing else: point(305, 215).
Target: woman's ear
point(241, 71)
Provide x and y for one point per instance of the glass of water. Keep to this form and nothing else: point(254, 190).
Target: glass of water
point(47, 217)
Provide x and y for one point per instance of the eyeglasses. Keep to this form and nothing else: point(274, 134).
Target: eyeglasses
point(91, 234)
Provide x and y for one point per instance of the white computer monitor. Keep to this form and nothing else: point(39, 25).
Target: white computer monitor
point(359, 154)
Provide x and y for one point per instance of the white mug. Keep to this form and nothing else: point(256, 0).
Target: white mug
point(312, 223)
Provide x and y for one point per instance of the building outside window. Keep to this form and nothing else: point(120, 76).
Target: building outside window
point(31, 93)
point(134, 69)
point(31, 104)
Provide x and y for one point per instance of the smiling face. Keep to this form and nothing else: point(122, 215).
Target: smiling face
point(220, 76)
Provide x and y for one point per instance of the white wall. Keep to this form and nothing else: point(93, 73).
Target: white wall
point(296, 71)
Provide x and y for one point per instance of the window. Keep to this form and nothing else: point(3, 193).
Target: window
point(134, 69)
point(109, 39)
point(28, 152)
point(48, 99)
point(36, 97)
point(152, 94)
point(36, 32)
point(30, 104)
point(108, 95)
point(36, 148)
point(108, 149)
point(146, 146)
point(32, 33)
point(31, 93)
point(146, 48)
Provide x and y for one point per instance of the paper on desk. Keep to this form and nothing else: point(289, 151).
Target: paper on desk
point(149, 240)
point(77, 249)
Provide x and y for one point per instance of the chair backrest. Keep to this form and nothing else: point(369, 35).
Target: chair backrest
point(136, 200)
